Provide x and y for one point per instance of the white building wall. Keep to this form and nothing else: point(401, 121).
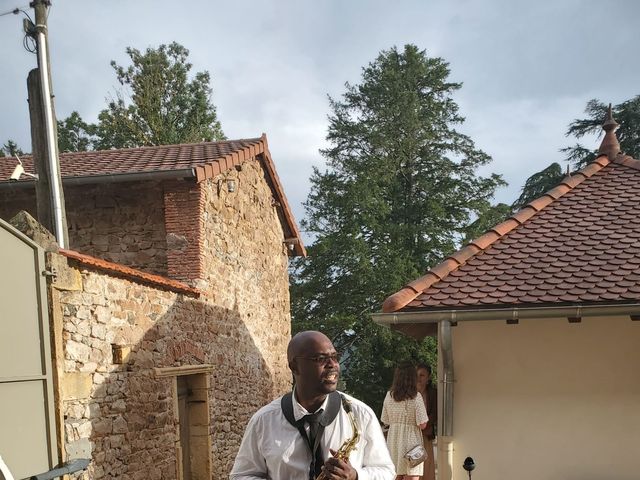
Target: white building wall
point(546, 399)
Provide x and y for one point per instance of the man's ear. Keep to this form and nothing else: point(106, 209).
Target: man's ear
point(293, 366)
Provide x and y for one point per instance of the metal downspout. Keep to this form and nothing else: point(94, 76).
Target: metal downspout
point(445, 428)
point(59, 223)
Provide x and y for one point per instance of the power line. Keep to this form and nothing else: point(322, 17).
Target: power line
point(15, 11)
point(28, 41)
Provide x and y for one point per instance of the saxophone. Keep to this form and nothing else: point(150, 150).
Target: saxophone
point(350, 444)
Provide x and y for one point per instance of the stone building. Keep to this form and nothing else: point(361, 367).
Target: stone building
point(169, 313)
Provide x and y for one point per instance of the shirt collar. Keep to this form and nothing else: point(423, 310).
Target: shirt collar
point(299, 411)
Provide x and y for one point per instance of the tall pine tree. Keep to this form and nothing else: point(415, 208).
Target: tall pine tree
point(400, 187)
point(161, 105)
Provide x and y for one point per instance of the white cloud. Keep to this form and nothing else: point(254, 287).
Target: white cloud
point(528, 68)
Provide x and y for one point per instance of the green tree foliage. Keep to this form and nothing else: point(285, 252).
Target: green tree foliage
point(10, 149)
point(537, 184)
point(74, 134)
point(627, 114)
point(398, 192)
point(159, 103)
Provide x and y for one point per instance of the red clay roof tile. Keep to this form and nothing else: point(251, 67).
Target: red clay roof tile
point(204, 160)
point(524, 214)
point(578, 243)
point(131, 273)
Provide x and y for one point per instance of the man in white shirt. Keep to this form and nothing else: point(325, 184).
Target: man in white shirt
point(273, 446)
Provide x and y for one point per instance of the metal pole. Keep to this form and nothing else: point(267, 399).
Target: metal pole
point(50, 135)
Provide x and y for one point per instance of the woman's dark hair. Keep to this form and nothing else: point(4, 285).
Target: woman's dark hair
point(427, 367)
point(404, 386)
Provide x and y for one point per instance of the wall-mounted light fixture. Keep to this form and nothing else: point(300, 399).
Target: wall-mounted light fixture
point(19, 171)
point(469, 465)
point(230, 183)
point(291, 243)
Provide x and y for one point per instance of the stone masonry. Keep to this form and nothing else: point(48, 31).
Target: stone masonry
point(115, 331)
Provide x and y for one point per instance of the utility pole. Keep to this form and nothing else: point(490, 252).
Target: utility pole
point(44, 138)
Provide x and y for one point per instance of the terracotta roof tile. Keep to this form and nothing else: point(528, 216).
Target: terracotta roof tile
point(203, 160)
point(131, 273)
point(578, 243)
point(138, 160)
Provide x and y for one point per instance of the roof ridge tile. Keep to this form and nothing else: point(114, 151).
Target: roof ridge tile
point(115, 151)
point(506, 226)
point(466, 253)
point(541, 202)
point(572, 181)
point(130, 273)
point(524, 214)
point(627, 161)
point(483, 241)
point(559, 190)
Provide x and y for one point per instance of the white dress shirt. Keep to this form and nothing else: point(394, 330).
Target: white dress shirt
point(273, 449)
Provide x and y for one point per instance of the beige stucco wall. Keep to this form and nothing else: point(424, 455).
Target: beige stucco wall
point(546, 399)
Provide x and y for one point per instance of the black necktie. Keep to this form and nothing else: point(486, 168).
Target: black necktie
point(314, 443)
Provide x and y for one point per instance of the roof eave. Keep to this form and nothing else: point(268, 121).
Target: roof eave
point(298, 247)
point(260, 151)
point(401, 320)
point(111, 178)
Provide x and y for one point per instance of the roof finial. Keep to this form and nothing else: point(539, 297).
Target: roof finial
point(610, 145)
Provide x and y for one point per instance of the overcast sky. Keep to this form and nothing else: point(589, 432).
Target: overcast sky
point(527, 67)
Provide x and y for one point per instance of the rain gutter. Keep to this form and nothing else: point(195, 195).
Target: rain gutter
point(511, 313)
point(113, 178)
point(445, 419)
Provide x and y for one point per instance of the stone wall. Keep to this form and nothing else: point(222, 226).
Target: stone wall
point(119, 222)
point(14, 198)
point(245, 267)
point(124, 414)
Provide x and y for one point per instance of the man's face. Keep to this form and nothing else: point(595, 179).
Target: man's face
point(423, 378)
point(316, 368)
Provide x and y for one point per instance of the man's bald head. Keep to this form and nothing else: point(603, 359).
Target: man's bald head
point(315, 366)
point(303, 342)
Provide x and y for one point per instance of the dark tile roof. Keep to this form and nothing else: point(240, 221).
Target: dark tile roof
point(131, 274)
point(200, 160)
point(136, 160)
point(579, 243)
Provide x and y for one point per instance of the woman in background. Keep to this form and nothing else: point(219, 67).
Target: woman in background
point(404, 411)
point(430, 397)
